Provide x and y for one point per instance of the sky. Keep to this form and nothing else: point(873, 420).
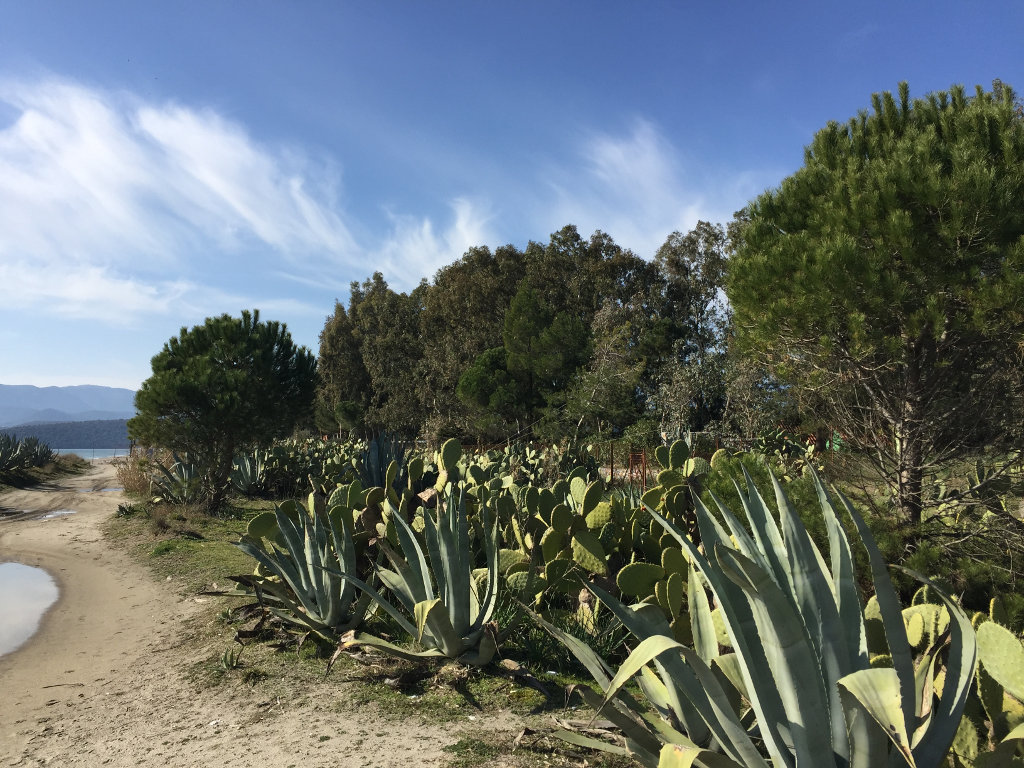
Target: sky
point(161, 163)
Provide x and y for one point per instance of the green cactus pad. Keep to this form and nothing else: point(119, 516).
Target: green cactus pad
point(915, 629)
point(588, 552)
point(675, 593)
point(477, 474)
point(509, 557)
point(721, 633)
point(578, 490)
point(506, 507)
point(718, 459)
point(415, 469)
point(661, 453)
point(638, 579)
point(560, 490)
point(670, 478)
point(599, 516)
point(451, 452)
point(561, 518)
point(263, 526)
point(556, 573)
point(681, 630)
point(997, 612)
point(592, 497)
point(696, 467)
point(545, 503)
point(551, 544)
point(678, 454)
point(375, 497)
point(609, 537)
point(653, 496)
point(674, 561)
point(531, 499)
point(1002, 655)
point(965, 743)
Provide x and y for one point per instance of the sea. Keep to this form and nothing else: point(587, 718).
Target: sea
point(94, 453)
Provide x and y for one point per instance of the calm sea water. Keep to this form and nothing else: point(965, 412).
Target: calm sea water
point(25, 594)
point(94, 453)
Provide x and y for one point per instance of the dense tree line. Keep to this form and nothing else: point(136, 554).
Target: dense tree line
point(877, 292)
point(574, 336)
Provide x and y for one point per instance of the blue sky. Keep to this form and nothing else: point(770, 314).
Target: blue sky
point(162, 163)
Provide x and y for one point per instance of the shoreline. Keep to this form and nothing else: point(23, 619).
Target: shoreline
point(108, 676)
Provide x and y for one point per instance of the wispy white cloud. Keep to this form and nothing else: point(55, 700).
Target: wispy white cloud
point(415, 248)
point(635, 186)
point(102, 196)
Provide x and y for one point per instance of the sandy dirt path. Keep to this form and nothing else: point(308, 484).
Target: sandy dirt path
point(102, 683)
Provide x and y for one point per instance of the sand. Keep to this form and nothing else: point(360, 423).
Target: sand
point(103, 682)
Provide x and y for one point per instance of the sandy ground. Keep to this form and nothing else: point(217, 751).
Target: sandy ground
point(102, 683)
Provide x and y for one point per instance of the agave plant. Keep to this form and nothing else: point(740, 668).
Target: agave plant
point(249, 472)
point(798, 687)
point(301, 580)
point(179, 485)
point(444, 609)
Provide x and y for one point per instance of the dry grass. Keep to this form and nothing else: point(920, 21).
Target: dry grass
point(134, 471)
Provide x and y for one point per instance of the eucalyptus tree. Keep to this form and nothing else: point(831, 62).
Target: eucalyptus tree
point(884, 280)
point(343, 388)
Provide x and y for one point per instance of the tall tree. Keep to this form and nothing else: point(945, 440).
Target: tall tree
point(884, 280)
point(463, 317)
point(228, 385)
point(689, 366)
point(385, 325)
point(343, 389)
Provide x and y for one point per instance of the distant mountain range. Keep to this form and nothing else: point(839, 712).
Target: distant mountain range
point(25, 404)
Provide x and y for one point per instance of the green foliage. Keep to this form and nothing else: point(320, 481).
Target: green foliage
point(444, 609)
point(883, 280)
point(179, 485)
point(302, 554)
point(798, 665)
point(21, 454)
point(220, 388)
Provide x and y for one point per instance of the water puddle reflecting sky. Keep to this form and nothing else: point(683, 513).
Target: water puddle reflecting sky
point(25, 594)
point(57, 513)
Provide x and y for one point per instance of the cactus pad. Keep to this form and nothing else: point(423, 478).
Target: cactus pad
point(588, 552)
point(673, 560)
point(1002, 655)
point(678, 454)
point(661, 453)
point(696, 467)
point(561, 518)
point(638, 579)
point(592, 498)
point(551, 544)
point(263, 526)
point(718, 459)
point(599, 516)
point(451, 452)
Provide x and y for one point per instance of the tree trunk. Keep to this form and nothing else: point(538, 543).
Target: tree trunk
point(910, 434)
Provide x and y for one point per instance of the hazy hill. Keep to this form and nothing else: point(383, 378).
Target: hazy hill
point(23, 404)
point(108, 433)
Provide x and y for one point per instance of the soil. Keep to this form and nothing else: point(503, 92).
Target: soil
point(105, 681)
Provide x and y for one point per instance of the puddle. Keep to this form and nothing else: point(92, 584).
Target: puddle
point(25, 594)
point(12, 515)
point(56, 513)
